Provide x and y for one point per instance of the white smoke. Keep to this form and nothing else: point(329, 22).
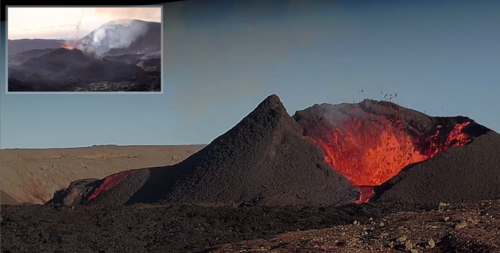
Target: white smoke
point(113, 35)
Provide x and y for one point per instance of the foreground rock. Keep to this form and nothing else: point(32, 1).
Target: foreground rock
point(455, 228)
point(263, 160)
point(160, 228)
point(193, 228)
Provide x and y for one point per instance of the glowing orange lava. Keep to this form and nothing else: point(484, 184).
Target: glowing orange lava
point(110, 182)
point(368, 154)
point(68, 46)
point(371, 150)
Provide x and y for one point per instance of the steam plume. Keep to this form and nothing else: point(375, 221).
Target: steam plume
point(113, 35)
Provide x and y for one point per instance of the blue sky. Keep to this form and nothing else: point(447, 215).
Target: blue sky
point(221, 60)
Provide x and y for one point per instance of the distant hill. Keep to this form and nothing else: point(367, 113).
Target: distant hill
point(20, 58)
point(18, 46)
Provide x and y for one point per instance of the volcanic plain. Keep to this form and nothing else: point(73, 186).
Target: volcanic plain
point(362, 177)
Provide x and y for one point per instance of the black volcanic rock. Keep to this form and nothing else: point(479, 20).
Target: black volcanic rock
point(125, 58)
point(74, 63)
point(263, 160)
point(460, 174)
point(152, 64)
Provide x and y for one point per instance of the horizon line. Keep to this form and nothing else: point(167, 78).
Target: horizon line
point(89, 32)
point(113, 145)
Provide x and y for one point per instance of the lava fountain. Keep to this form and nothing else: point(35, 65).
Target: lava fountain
point(70, 45)
point(373, 141)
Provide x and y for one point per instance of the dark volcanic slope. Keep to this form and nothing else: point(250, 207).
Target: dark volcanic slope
point(263, 160)
point(459, 174)
point(20, 58)
point(69, 70)
point(75, 63)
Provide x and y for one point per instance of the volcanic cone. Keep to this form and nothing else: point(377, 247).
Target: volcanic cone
point(263, 160)
point(371, 142)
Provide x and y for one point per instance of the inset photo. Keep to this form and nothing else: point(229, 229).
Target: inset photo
point(84, 49)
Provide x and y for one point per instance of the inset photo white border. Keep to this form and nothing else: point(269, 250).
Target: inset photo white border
point(6, 38)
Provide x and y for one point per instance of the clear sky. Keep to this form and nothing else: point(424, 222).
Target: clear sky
point(221, 59)
point(57, 23)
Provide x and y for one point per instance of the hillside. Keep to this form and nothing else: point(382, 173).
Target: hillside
point(33, 175)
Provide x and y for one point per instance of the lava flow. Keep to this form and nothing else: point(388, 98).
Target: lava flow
point(110, 182)
point(370, 148)
point(69, 46)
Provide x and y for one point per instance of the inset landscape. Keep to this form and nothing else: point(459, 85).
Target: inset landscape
point(118, 55)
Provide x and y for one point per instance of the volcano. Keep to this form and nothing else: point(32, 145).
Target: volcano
point(263, 160)
point(371, 142)
point(124, 36)
point(318, 155)
point(81, 64)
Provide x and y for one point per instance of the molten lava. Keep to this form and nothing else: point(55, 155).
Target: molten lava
point(69, 46)
point(370, 149)
point(110, 182)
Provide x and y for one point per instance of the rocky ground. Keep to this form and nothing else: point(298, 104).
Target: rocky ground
point(73, 70)
point(142, 84)
point(69, 84)
point(161, 228)
point(208, 228)
point(451, 228)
